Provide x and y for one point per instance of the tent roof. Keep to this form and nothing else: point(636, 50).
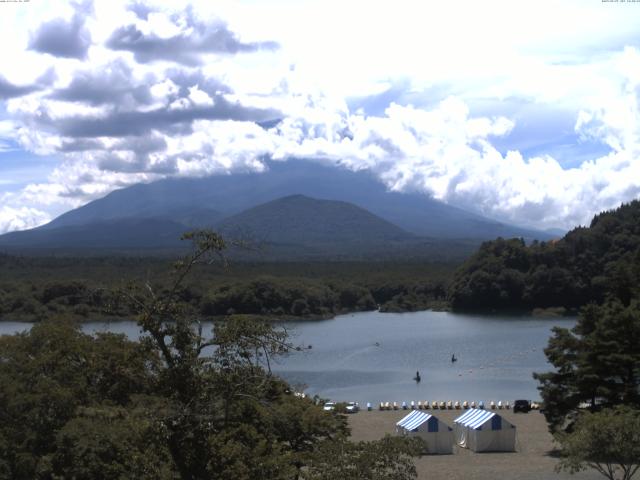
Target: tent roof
point(414, 420)
point(475, 418)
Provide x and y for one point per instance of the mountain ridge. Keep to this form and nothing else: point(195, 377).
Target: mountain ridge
point(291, 193)
point(232, 193)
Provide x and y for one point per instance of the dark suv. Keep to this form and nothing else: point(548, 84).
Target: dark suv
point(523, 406)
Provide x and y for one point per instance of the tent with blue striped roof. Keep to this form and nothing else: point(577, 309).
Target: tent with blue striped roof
point(484, 431)
point(437, 435)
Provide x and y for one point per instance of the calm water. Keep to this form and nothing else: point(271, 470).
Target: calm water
point(496, 356)
point(373, 357)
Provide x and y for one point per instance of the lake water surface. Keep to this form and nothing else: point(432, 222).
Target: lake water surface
point(373, 357)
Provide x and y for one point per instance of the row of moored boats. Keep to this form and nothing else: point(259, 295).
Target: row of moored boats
point(448, 405)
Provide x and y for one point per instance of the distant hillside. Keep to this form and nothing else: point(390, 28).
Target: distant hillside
point(228, 195)
point(291, 228)
point(115, 234)
point(308, 221)
point(586, 265)
point(299, 209)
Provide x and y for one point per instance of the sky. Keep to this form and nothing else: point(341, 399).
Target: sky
point(524, 111)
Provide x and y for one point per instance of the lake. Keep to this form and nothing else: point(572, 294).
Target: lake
point(373, 357)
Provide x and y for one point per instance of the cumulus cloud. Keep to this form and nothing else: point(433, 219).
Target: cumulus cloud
point(9, 90)
point(185, 42)
point(20, 218)
point(176, 91)
point(113, 84)
point(447, 153)
point(65, 38)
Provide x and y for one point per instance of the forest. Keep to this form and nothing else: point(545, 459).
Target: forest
point(588, 265)
point(82, 288)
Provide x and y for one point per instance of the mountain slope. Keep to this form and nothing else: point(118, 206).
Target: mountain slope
point(127, 233)
point(231, 194)
point(298, 219)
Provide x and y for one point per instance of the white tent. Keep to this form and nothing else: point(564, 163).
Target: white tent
point(484, 431)
point(437, 435)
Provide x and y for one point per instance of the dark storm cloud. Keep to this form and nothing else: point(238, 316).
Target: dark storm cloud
point(136, 123)
point(61, 38)
point(112, 85)
point(186, 49)
point(9, 90)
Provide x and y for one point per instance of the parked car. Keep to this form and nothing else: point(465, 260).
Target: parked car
point(329, 406)
point(523, 406)
point(352, 407)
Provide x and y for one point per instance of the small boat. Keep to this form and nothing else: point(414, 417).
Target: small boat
point(453, 358)
point(417, 377)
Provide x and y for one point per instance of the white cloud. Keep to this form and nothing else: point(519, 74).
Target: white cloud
point(20, 218)
point(131, 115)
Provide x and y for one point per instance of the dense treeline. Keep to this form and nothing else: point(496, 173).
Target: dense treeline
point(587, 265)
point(33, 288)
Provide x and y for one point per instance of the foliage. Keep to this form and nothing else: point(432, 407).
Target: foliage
point(49, 373)
point(179, 403)
point(597, 363)
point(34, 288)
point(273, 296)
point(607, 441)
point(586, 265)
point(388, 459)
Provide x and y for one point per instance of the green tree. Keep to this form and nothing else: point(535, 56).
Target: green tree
point(386, 459)
point(229, 416)
point(607, 441)
point(597, 363)
point(105, 442)
point(178, 403)
point(48, 374)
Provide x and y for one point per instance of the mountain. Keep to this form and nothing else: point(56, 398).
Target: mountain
point(303, 220)
point(231, 194)
point(228, 201)
point(113, 234)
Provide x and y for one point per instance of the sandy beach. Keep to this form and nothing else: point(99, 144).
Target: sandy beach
point(532, 460)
